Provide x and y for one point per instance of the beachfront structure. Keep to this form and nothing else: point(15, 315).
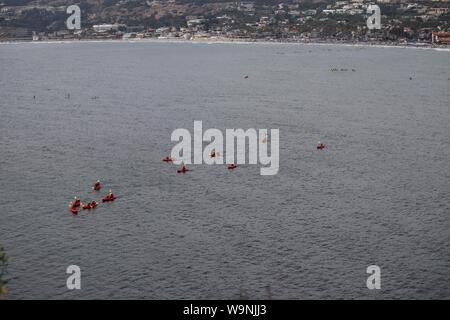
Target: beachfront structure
point(105, 27)
point(440, 37)
point(438, 11)
point(195, 22)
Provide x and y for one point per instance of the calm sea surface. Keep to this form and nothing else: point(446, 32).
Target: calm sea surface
point(379, 194)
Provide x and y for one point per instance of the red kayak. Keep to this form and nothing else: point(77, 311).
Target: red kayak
point(87, 206)
point(97, 187)
point(94, 204)
point(232, 166)
point(320, 147)
point(76, 204)
point(74, 210)
point(167, 159)
point(107, 199)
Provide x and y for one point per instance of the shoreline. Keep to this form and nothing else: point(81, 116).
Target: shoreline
point(427, 46)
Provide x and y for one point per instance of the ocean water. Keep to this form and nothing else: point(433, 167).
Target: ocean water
point(72, 113)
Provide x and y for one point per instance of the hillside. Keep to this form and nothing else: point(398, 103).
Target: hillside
point(269, 19)
point(49, 14)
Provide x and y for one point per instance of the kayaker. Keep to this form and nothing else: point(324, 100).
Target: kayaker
point(75, 203)
point(110, 194)
point(97, 185)
point(87, 206)
point(264, 140)
point(320, 145)
point(109, 197)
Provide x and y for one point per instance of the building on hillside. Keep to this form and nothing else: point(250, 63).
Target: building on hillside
point(440, 37)
point(105, 27)
point(438, 11)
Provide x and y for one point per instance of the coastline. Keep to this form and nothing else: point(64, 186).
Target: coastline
point(317, 42)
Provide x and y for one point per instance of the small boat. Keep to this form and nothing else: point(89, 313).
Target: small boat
point(167, 159)
point(183, 170)
point(232, 166)
point(74, 210)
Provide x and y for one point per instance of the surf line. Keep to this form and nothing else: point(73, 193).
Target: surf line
point(258, 143)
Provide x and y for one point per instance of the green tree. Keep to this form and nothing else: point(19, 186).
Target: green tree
point(3, 265)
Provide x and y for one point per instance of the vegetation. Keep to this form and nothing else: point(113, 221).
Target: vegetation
point(3, 265)
point(256, 19)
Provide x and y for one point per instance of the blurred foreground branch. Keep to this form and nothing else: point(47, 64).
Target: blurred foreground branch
point(3, 265)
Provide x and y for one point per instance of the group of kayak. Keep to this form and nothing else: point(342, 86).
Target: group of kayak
point(77, 203)
point(74, 205)
point(184, 169)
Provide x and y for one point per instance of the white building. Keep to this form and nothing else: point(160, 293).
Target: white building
point(105, 27)
point(195, 22)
